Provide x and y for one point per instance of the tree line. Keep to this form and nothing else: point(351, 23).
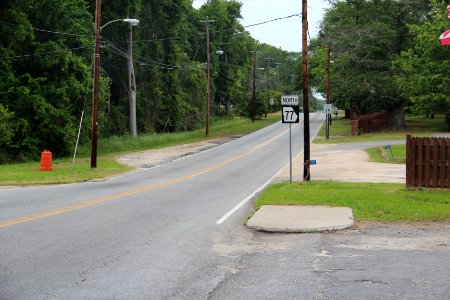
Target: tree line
point(385, 56)
point(46, 58)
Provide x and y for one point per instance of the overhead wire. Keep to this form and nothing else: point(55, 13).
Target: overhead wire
point(211, 32)
point(146, 61)
point(44, 53)
point(170, 67)
point(50, 31)
point(141, 41)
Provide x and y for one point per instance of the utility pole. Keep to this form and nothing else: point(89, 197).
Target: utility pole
point(328, 115)
point(131, 83)
point(306, 142)
point(328, 80)
point(254, 87)
point(208, 66)
point(267, 83)
point(96, 84)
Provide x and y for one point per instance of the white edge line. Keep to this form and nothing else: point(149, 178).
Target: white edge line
point(249, 197)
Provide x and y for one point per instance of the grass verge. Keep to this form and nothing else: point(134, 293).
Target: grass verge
point(396, 156)
point(384, 202)
point(341, 132)
point(220, 128)
point(66, 172)
point(63, 172)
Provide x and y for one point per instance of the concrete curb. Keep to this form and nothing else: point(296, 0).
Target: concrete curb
point(279, 218)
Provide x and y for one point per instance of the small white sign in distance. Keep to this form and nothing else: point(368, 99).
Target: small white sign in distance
point(289, 100)
point(327, 108)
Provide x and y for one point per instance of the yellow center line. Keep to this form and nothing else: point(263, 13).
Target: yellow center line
point(57, 211)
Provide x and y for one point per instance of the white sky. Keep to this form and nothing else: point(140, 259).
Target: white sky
point(283, 33)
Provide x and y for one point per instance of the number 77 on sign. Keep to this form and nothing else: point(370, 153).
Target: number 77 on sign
point(290, 109)
point(291, 114)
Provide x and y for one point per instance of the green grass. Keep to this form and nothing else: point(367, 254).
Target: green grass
point(379, 154)
point(65, 172)
point(341, 132)
point(383, 202)
point(420, 123)
point(220, 128)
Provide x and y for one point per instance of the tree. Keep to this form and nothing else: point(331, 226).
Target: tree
point(45, 76)
point(365, 37)
point(423, 69)
point(229, 71)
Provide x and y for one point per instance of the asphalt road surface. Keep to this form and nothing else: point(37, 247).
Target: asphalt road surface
point(176, 231)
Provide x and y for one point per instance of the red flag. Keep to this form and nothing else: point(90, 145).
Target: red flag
point(445, 38)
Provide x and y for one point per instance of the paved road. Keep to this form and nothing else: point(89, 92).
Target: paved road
point(153, 234)
point(150, 234)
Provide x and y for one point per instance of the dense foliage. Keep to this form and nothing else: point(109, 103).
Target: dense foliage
point(46, 69)
point(374, 42)
point(422, 70)
point(386, 56)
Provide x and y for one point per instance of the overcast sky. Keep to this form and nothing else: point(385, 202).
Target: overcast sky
point(283, 33)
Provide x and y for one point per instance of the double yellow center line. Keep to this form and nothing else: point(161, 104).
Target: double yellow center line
point(65, 209)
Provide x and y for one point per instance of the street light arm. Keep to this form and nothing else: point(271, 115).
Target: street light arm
point(133, 22)
point(113, 21)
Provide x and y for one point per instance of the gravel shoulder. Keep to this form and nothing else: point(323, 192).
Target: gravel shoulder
point(154, 157)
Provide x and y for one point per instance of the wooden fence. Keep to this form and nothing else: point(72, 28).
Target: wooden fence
point(428, 162)
point(375, 122)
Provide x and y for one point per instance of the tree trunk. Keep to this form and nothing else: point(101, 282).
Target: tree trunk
point(397, 118)
point(227, 104)
point(347, 113)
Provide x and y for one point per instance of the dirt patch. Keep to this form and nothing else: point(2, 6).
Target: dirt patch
point(398, 236)
point(151, 158)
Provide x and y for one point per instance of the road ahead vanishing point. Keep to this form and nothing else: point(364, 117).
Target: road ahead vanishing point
point(177, 231)
point(153, 233)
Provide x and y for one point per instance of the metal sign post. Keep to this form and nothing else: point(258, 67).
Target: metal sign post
point(290, 115)
point(327, 110)
point(290, 152)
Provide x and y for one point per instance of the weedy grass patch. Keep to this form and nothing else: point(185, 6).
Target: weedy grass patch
point(384, 202)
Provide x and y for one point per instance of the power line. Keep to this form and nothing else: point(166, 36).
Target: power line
point(42, 53)
point(145, 61)
point(211, 32)
point(50, 31)
point(122, 52)
point(273, 20)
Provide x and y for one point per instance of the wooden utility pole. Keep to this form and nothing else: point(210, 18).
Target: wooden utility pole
point(208, 66)
point(306, 135)
point(96, 84)
point(254, 87)
point(267, 80)
point(131, 83)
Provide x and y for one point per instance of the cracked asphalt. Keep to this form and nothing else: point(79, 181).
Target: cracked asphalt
point(153, 234)
point(371, 261)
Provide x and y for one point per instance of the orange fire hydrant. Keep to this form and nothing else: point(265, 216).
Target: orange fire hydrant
point(46, 161)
